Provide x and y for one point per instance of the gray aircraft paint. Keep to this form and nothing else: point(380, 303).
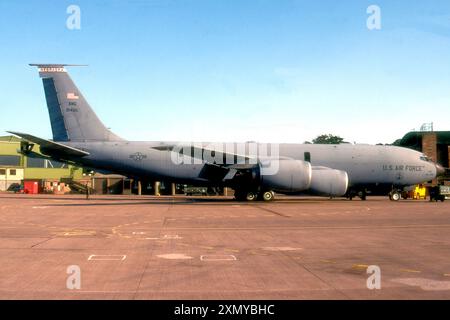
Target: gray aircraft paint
point(364, 164)
point(75, 124)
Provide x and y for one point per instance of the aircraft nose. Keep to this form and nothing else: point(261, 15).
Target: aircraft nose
point(440, 170)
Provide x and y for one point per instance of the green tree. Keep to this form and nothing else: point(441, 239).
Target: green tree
point(328, 139)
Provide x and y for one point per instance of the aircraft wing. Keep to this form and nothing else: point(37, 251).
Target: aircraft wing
point(238, 161)
point(51, 146)
point(222, 170)
point(218, 165)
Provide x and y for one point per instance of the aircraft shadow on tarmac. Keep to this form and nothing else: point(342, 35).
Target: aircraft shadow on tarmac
point(121, 201)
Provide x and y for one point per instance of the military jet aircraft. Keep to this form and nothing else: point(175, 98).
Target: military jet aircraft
point(254, 170)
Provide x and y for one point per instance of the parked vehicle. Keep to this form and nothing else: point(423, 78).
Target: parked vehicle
point(16, 188)
point(439, 193)
point(190, 191)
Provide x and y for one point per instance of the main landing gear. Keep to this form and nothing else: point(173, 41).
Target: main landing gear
point(362, 194)
point(267, 195)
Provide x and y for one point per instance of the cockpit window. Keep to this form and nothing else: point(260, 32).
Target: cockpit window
point(425, 158)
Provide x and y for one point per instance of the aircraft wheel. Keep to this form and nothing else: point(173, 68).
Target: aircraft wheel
point(362, 195)
point(395, 196)
point(268, 195)
point(251, 196)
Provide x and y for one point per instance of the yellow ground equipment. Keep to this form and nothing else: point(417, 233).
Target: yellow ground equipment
point(420, 192)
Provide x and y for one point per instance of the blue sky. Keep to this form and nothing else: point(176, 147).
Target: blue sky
point(269, 71)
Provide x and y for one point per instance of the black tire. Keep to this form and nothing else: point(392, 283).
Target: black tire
point(362, 195)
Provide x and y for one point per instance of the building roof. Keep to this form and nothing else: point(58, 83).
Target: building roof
point(414, 138)
point(10, 139)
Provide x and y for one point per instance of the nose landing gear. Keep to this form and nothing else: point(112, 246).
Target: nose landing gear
point(395, 195)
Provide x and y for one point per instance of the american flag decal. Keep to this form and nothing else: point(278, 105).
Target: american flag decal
point(72, 96)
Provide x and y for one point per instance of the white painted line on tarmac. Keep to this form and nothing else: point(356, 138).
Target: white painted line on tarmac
point(171, 236)
point(217, 257)
point(424, 284)
point(107, 257)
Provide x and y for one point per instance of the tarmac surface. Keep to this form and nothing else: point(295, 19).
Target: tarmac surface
point(130, 247)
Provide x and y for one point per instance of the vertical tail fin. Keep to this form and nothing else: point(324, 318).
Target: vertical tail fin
point(71, 117)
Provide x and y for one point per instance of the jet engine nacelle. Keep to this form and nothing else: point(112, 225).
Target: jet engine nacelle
point(285, 175)
point(328, 182)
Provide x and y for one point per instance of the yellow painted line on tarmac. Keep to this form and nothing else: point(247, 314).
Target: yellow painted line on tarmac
point(360, 266)
point(327, 261)
point(206, 247)
point(410, 270)
point(77, 233)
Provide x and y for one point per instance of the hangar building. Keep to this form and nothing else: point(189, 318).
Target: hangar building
point(435, 144)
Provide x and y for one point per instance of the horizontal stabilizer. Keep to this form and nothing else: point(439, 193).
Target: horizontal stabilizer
point(51, 146)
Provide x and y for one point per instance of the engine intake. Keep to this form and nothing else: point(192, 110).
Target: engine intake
point(328, 182)
point(290, 176)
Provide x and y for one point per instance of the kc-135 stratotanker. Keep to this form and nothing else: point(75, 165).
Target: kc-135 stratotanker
point(254, 170)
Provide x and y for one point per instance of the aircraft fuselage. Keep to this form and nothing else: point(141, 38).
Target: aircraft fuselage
point(366, 165)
